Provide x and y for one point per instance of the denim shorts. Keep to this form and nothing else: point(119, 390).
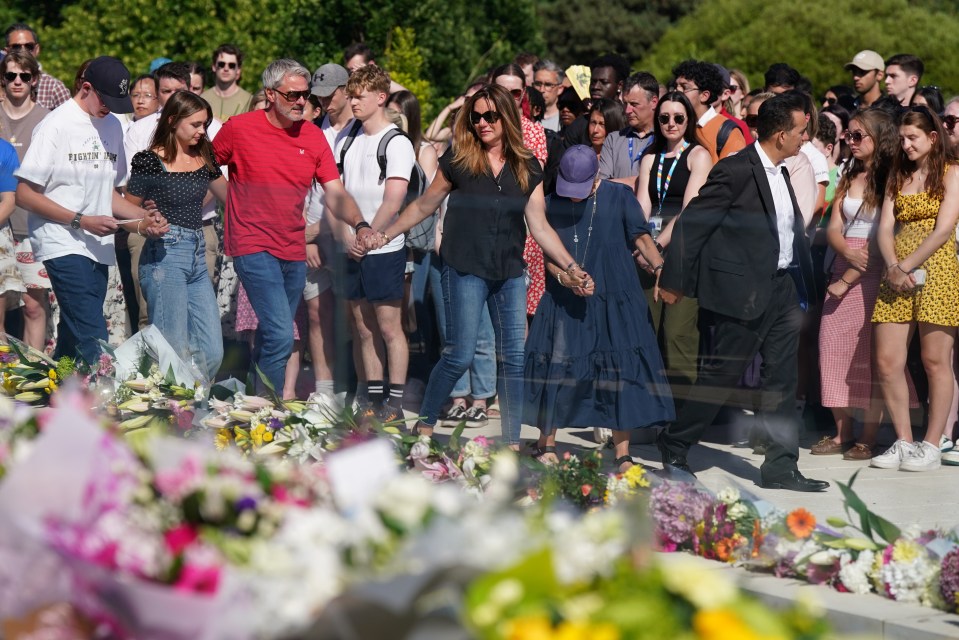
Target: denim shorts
point(378, 277)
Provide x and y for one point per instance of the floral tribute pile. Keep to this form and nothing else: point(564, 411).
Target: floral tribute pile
point(160, 508)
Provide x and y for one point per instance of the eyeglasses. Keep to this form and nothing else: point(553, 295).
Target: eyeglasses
point(687, 89)
point(293, 96)
point(491, 117)
point(678, 118)
point(949, 122)
point(29, 46)
point(221, 65)
point(10, 76)
point(544, 85)
point(142, 96)
point(752, 121)
point(854, 137)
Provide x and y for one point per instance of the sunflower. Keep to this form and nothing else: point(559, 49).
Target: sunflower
point(801, 523)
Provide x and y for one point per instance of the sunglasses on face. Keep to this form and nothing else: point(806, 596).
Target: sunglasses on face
point(491, 117)
point(29, 46)
point(751, 121)
point(516, 93)
point(221, 65)
point(734, 88)
point(678, 118)
point(293, 96)
point(949, 122)
point(25, 76)
point(854, 137)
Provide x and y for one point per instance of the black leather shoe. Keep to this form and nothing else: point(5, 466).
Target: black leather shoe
point(794, 481)
point(672, 461)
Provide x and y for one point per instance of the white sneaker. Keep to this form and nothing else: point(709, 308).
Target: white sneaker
point(602, 435)
point(893, 456)
point(945, 444)
point(924, 457)
point(950, 458)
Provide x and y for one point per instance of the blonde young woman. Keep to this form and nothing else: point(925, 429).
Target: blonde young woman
point(917, 234)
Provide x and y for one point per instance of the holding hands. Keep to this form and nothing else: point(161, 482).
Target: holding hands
point(578, 280)
point(900, 279)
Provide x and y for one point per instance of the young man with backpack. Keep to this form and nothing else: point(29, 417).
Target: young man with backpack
point(702, 84)
point(376, 161)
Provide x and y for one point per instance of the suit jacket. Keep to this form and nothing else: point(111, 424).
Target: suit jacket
point(725, 246)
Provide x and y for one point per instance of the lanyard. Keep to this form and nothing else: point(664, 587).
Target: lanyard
point(630, 140)
point(663, 186)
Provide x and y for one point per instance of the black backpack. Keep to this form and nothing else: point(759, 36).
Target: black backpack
point(421, 236)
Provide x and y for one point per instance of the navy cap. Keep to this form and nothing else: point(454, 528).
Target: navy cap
point(111, 79)
point(577, 172)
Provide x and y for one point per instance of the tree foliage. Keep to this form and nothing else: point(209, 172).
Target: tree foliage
point(577, 32)
point(815, 38)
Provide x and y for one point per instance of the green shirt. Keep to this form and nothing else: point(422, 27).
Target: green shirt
point(225, 108)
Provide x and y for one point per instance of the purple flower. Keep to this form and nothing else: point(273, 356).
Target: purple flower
point(949, 578)
point(8, 358)
point(274, 424)
point(245, 503)
point(677, 508)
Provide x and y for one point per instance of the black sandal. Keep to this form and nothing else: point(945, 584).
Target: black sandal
point(621, 460)
point(415, 431)
point(537, 452)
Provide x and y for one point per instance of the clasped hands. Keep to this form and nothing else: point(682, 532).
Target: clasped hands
point(899, 279)
point(152, 225)
point(367, 240)
point(577, 280)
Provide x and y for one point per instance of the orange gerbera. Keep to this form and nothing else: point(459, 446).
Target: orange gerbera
point(801, 523)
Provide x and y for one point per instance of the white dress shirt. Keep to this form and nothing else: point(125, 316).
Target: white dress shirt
point(785, 215)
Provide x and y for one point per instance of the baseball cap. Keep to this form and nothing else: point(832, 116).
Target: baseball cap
point(724, 73)
point(327, 79)
point(866, 60)
point(577, 171)
point(111, 79)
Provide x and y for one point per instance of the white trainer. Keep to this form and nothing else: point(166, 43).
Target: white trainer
point(950, 457)
point(924, 457)
point(945, 444)
point(893, 456)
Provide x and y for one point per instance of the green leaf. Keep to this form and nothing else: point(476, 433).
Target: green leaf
point(454, 443)
point(886, 530)
point(269, 385)
point(854, 502)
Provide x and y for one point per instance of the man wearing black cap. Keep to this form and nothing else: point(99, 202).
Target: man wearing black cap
point(68, 182)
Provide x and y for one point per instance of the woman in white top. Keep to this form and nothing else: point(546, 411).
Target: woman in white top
point(845, 338)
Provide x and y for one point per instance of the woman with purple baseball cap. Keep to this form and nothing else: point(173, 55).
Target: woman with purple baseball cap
point(593, 361)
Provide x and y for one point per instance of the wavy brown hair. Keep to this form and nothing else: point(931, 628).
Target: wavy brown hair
point(180, 106)
point(882, 130)
point(939, 156)
point(468, 151)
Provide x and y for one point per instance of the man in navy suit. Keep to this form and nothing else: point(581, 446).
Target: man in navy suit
point(739, 248)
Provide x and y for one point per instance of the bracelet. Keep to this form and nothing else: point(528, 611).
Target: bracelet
point(386, 237)
point(892, 266)
point(901, 269)
point(658, 267)
point(571, 266)
point(138, 227)
point(848, 284)
point(362, 224)
point(559, 278)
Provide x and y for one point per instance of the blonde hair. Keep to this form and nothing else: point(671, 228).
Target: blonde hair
point(368, 78)
point(468, 151)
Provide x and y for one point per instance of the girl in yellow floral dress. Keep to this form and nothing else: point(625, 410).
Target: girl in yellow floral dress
point(916, 236)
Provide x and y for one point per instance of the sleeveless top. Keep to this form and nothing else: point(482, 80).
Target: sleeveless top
point(861, 227)
point(673, 202)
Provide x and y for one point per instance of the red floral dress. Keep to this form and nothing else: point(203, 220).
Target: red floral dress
point(534, 139)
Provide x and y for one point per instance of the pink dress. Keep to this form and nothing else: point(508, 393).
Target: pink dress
point(246, 319)
point(534, 139)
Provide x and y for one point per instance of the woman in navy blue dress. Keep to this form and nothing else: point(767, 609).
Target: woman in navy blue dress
point(593, 361)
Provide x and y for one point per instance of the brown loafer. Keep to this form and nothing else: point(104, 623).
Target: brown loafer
point(828, 447)
point(859, 451)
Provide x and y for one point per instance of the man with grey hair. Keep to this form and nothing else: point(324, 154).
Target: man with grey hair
point(548, 80)
point(622, 150)
point(273, 160)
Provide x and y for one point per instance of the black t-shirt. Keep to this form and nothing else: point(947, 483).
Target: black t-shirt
point(484, 231)
point(178, 194)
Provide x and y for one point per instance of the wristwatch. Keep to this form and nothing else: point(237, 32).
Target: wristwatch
point(76, 221)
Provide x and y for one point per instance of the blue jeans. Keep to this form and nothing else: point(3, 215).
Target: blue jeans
point(465, 296)
point(173, 277)
point(274, 287)
point(479, 380)
point(80, 285)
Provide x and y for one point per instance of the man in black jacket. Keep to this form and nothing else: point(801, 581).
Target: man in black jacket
point(739, 248)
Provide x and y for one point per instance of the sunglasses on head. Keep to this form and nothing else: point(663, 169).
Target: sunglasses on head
point(854, 137)
point(10, 76)
point(293, 96)
point(678, 118)
point(221, 65)
point(491, 117)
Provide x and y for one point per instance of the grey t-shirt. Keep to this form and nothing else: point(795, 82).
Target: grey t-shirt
point(551, 123)
point(622, 152)
point(18, 133)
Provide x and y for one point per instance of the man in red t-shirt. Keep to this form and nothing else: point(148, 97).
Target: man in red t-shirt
point(273, 160)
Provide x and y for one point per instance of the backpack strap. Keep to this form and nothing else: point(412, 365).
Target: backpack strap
point(725, 130)
point(347, 143)
point(381, 148)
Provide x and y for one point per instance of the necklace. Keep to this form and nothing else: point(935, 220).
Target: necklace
point(589, 232)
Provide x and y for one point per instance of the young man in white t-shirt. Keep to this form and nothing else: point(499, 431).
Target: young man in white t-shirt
point(69, 182)
point(375, 284)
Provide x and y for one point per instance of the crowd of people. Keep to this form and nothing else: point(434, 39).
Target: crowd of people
point(605, 250)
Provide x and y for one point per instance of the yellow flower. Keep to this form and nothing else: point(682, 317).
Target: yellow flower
point(222, 439)
point(906, 551)
point(242, 437)
point(52, 374)
point(723, 624)
point(529, 628)
point(259, 435)
point(636, 476)
point(586, 631)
